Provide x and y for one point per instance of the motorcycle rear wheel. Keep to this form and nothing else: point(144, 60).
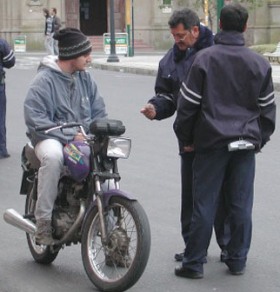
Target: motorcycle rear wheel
point(41, 253)
point(118, 264)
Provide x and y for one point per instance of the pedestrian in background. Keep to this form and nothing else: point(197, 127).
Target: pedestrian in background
point(56, 27)
point(7, 60)
point(48, 32)
point(226, 113)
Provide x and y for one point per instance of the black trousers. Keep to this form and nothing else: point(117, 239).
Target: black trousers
point(210, 170)
point(222, 229)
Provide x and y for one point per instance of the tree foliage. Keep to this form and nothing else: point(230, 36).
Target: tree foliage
point(212, 6)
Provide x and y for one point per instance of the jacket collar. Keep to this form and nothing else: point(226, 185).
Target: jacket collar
point(233, 38)
point(205, 40)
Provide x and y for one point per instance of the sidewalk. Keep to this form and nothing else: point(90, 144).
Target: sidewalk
point(145, 64)
point(148, 65)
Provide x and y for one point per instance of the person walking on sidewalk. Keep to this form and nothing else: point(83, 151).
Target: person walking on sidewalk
point(56, 27)
point(7, 60)
point(49, 29)
point(62, 91)
point(226, 113)
point(190, 37)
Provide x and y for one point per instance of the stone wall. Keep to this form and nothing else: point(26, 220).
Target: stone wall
point(25, 17)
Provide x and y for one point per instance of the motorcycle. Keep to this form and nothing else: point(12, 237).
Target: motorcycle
point(112, 227)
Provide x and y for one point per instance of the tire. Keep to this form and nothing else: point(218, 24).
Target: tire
point(41, 253)
point(118, 264)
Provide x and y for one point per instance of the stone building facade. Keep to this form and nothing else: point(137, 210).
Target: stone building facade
point(146, 18)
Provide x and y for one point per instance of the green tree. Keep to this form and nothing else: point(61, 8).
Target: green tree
point(212, 7)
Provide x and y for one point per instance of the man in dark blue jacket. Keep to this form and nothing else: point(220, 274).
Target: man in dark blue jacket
point(190, 37)
point(7, 60)
point(226, 113)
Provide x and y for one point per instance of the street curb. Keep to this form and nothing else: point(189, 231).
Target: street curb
point(137, 65)
point(118, 67)
point(125, 69)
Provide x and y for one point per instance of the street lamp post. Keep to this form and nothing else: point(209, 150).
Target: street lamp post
point(130, 26)
point(113, 56)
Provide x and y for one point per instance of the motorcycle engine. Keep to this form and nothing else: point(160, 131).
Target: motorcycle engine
point(66, 207)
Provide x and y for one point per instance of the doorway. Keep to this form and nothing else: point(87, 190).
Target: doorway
point(93, 17)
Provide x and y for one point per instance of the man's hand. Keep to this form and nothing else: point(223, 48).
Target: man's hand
point(149, 111)
point(79, 137)
point(189, 148)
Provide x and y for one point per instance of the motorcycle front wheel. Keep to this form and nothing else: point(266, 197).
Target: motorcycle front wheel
point(118, 263)
point(41, 253)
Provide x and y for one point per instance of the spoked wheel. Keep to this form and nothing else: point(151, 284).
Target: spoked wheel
point(41, 253)
point(117, 264)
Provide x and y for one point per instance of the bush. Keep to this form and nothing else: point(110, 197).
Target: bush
point(265, 48)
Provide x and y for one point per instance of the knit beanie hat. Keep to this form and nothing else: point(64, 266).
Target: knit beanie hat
point(72, 43)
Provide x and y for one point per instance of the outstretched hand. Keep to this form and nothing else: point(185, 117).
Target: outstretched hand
point(149, 111)
point(189, 148)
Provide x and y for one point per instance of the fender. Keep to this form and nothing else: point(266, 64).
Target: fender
point(106, 199)
point(115, 193)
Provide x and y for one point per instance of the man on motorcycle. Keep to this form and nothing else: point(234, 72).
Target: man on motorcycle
point(62, 91)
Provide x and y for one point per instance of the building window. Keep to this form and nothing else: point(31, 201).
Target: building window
point(166, 2)
point(273, 3)
point(165, 5)
point(34, 3)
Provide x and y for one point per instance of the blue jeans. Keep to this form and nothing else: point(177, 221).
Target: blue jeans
point(49, 44)
point(3, 146)
point(210, 169)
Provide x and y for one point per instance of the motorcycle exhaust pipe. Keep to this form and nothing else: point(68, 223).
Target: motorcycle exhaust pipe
point(12, 217)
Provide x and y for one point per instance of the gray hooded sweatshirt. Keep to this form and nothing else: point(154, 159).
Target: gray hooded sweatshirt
point(56, 97)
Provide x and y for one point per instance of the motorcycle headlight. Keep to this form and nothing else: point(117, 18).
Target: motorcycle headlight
point(118, 147)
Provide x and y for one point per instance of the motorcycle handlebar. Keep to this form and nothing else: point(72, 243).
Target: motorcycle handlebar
point(57, 126)
point(51, 127)
point(43, 128)
point(102, 127)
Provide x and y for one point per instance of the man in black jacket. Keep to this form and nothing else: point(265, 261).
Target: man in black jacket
point(7, 60)
point(226, 113)
point(190, 37)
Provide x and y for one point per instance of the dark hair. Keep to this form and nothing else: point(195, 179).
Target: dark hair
point(46, 11)
point(233, 17)
point(54, 10)
point(185, 16)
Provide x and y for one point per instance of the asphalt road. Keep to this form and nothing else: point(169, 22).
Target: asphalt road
point(151, 174)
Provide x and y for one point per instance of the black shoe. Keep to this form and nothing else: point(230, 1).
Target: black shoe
point(187, 273)
point(237, 272)
point(2, 156)
point(179, 257)
point(224, 256)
